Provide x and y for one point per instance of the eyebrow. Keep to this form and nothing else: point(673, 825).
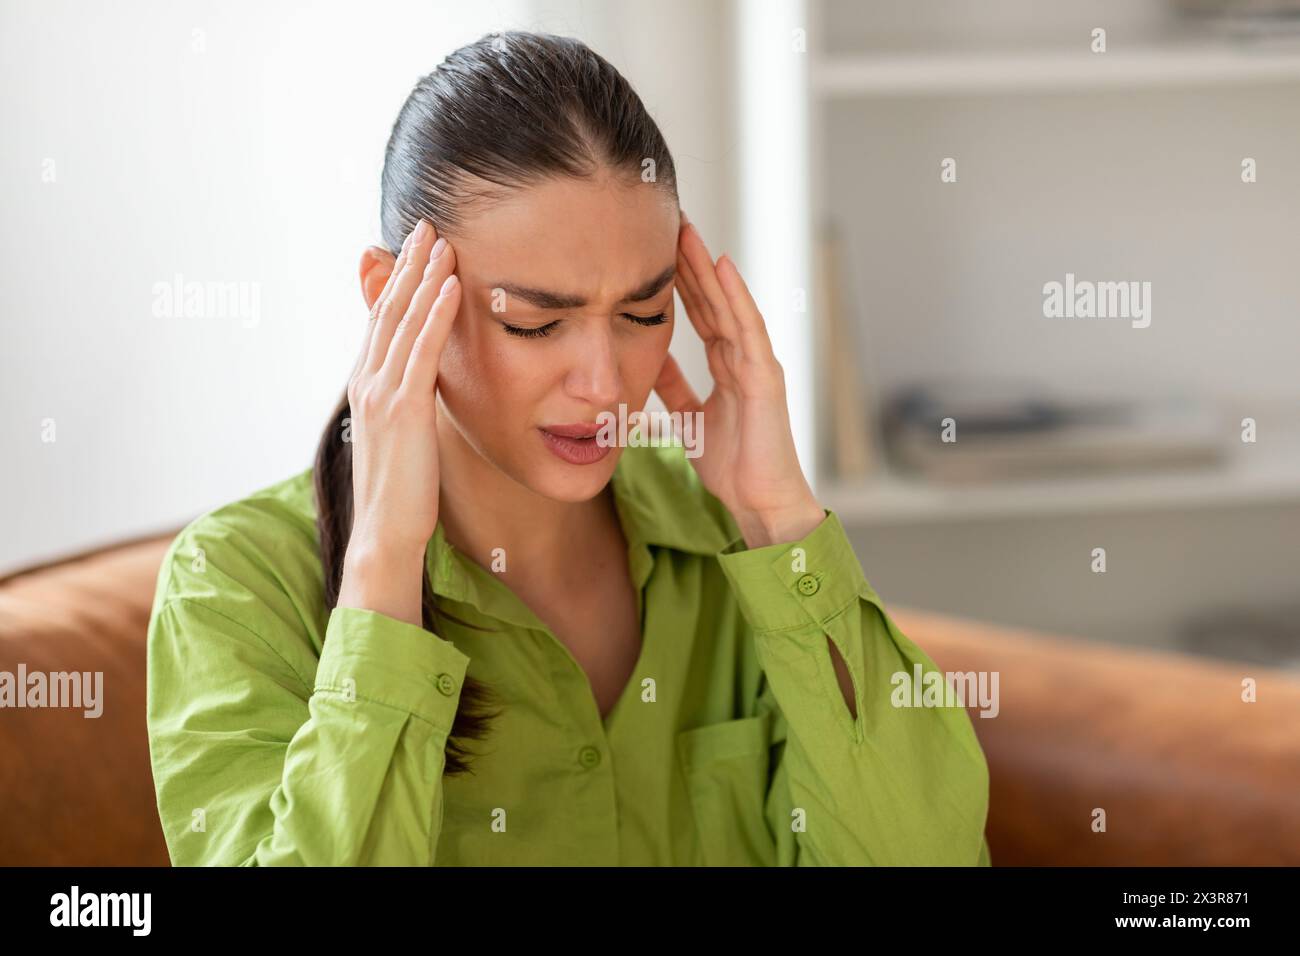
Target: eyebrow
point(546, 299)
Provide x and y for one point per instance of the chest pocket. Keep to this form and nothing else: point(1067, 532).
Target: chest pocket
point(725, 766)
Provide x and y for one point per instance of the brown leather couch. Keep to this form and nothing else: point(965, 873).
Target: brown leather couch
point(1186, 772)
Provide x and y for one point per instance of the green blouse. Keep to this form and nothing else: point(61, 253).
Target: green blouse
point(281, 733)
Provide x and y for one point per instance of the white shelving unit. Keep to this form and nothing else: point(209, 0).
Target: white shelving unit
point(1255, 474)
point(974, 73)
point(879, 102)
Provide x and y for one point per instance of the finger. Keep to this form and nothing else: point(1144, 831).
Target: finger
point(674, 389)
point(697, 309)
point(701, 262)
point(753, 329)
point(426, 353)
point(691, 284)
point(408, 329)
point(399, 297)
point(719, 350)
point(372, 320)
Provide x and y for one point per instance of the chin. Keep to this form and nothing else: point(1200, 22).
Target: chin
point(559, 480)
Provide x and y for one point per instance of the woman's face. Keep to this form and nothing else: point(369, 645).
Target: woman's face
point(566, 312)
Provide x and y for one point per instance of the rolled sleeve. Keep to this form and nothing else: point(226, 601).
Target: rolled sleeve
point(370, 656)
point(884, 787)
point(790, 586)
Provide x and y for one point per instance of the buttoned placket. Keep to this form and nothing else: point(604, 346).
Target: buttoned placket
point(459, 577)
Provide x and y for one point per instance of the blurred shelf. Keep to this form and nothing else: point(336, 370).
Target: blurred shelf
point(1253, 477)
point(1046, 71)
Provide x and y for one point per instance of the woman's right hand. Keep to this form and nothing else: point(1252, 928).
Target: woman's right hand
point(392, 393)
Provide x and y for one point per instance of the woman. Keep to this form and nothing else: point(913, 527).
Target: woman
point(659, 659)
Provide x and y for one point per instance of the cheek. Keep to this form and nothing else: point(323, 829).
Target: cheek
point(483, 377)
point(644, 357)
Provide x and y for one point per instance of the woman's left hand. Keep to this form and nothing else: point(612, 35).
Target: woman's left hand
point(749, 461)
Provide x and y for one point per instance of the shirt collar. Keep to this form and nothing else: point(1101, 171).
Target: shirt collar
point(660, 503)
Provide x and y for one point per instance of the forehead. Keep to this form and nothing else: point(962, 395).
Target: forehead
point(598, 238)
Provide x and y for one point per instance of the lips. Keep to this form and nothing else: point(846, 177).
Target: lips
point(580, 430)
point(575, 444)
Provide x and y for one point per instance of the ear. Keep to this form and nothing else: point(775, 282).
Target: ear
point(376, 266)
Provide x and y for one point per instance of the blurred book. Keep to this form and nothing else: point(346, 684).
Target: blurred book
point(1259, 19)
point(849, 429)
point(1266, 635)
point(1014, 429)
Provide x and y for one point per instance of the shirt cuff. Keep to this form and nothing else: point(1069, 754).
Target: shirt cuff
point(370, 656)
point(783, 587)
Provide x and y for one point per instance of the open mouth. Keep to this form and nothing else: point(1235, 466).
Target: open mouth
point(575, 444)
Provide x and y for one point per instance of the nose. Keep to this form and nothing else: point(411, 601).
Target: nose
point(594, 377)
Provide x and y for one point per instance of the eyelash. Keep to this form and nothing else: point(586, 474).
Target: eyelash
point(544, 330)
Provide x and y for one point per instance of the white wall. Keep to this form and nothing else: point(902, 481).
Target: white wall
point(775, 195)
point(235, 143)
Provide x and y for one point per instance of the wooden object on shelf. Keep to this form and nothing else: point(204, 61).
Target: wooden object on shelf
point(851, 428)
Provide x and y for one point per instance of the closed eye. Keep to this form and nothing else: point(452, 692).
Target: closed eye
point(657, 319)
point(544, 330)
point(536, 333)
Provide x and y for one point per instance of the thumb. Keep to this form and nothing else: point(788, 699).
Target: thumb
point(672, 387)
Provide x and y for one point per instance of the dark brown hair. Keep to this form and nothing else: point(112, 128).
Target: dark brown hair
point(508, 110)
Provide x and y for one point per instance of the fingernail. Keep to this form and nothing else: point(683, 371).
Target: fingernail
point(448, 285)
point(438, 247)
point(421, 230)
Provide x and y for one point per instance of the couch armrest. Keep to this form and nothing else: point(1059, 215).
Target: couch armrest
point(78, 791)
point(1187, 772)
